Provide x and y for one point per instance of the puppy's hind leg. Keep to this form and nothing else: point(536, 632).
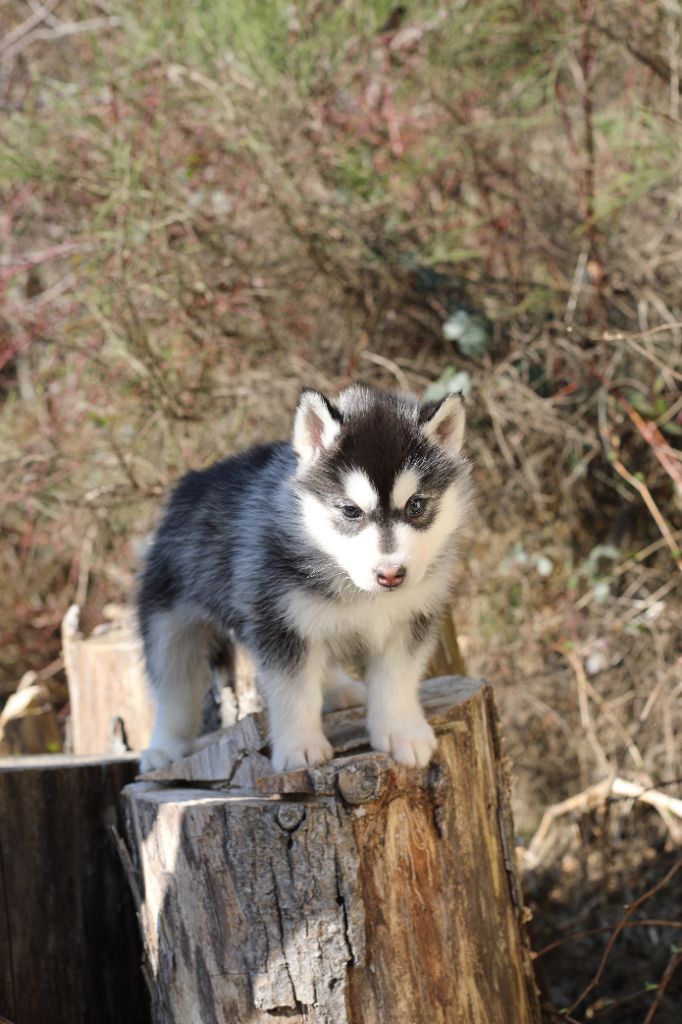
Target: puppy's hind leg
point(177, 650)
point(340, 691)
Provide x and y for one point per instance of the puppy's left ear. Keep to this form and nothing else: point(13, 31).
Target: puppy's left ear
point(316, 425)
point(443, 422)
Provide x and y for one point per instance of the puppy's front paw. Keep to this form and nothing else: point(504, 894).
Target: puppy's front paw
point(301, 752)
point(411, 742)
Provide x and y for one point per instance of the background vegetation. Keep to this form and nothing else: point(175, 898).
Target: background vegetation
point(205, 206)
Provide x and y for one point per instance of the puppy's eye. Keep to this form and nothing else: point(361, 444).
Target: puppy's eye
point(415, 505)
point(351, 511)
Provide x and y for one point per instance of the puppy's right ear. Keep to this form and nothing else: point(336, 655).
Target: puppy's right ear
point(443, 422)
point(316, 425)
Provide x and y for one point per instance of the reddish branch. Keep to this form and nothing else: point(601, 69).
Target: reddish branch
point(622, 924)
point(645, 922)
point(673, 964)
point(654, 438)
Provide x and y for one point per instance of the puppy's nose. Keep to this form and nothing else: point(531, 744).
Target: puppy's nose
point(390, 576)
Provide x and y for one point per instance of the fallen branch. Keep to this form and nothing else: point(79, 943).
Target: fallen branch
point(596, 796)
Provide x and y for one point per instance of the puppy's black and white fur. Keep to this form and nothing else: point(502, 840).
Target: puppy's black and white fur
point(342, 540)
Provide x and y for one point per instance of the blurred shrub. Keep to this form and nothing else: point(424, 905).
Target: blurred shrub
point(206, 206)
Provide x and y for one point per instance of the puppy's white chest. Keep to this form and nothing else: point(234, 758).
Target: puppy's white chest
point(371, 620)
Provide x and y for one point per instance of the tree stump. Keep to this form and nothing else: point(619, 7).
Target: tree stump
point(111, 708)
point(70, 950)
point(359, 892)
point(111, 703)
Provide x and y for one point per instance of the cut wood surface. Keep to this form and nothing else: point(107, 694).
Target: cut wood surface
point(359, 892)
point(70, 950)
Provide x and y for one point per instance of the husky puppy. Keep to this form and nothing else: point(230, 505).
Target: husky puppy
point(343, 540)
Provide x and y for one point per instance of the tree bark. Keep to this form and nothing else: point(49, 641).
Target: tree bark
point(360, 892)
point(70, 951)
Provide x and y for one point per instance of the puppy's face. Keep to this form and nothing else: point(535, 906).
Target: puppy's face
point(382, 482)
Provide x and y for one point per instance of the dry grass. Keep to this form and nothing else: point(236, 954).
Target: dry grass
point(205, 208)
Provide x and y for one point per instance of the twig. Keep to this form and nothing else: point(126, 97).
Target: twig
point(586, 63)
point(595, 796)
point(576, 664)
point(664, 804)
point(673, 11)
point(652, 61)
point(10, 266)
point(557, 1015)
point(61, 31)
point(588, 799)
point(645, 922)
point(651, 332)
point(673, 964)
point(599, 1011)
point(389, 365)
point(15, 34)
point(641, 555)
point(84, 565)
point(632, 340)
point(656, 513)
point(654, 438)
point(576, 286)
point(611, 442)
point(619, 928)
point(642, 606)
